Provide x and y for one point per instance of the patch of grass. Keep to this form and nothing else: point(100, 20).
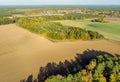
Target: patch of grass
point(109, 30)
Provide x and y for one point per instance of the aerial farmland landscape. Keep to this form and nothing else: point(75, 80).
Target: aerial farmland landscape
point(60, 41)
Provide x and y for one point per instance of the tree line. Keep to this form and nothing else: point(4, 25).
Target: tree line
point(69, 16)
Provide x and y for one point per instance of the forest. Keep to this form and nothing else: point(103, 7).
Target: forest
point(56, 31)
point(91, 66)
point(103, 68)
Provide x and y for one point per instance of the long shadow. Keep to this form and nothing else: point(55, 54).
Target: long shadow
point(68, 67)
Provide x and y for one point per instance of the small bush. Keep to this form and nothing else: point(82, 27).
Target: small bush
point(101, 20)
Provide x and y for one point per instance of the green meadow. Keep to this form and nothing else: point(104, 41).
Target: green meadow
point(109, 30)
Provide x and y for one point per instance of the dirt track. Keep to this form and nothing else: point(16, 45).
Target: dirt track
point(22, 52)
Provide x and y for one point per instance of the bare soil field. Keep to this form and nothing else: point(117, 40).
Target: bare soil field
point(23, 52)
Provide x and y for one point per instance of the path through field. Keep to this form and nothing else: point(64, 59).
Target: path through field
point(22, 52)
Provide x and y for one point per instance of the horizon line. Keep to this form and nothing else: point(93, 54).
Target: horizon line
point(60, 5)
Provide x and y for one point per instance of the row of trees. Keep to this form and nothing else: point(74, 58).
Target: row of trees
point(75, 16)
point(56, 31)
point(4, 20)
point(69, 16)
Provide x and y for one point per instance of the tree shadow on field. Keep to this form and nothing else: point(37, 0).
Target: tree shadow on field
point(68, 67)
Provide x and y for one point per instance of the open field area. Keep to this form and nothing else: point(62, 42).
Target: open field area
point(22, 52)
point(109, 30)
point(67, 41)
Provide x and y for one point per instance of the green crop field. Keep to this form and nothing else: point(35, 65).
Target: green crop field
point(109, 30)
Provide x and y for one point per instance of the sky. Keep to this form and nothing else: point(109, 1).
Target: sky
point(59, 2)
